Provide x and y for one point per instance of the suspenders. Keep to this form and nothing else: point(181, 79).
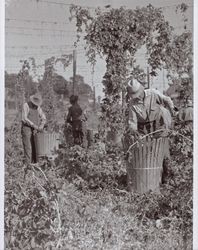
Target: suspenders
point(150, 124)
point(152, 119)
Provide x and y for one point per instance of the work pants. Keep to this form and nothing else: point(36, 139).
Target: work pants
point(77, 132)
point(28, 144)
point(78, 137)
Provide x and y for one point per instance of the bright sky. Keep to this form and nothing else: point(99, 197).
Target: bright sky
point(41, 29)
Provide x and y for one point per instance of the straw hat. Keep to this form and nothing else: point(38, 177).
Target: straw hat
point(134, 88)
point(36, 99)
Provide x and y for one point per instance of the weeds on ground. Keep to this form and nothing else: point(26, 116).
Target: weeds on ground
point(80, 201)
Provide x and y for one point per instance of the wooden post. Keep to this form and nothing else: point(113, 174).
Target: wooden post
point(74, 68)
point(148, 77)
point(163, 88)
point(94, 101)
point(15, 96)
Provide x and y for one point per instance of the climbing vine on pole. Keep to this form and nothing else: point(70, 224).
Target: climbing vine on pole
point(50, 101)
point(113, 32)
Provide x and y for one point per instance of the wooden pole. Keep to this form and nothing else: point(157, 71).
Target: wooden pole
point(74, 69)
point(148, 77)
point(15, 96)
point(163, 88)
point(94, 90)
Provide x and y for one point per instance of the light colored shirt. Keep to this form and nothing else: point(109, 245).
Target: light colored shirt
point(186, 114)
point(146, 109)
point(25, 113)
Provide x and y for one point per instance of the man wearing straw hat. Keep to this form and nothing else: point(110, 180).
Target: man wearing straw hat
point(33, 120)
point(148, 110)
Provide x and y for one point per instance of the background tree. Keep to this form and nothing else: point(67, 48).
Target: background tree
point(80, 87)
point(49, 98)
point(21, 84)
point(179, 61)
point(10, 83)
point(60, 85)
point(50, 82)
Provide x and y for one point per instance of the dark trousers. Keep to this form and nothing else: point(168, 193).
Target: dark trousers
point(78, 137)
point(28, 144)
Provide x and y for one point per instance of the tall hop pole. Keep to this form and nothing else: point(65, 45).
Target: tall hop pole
point(148, 77)
point(74, 69)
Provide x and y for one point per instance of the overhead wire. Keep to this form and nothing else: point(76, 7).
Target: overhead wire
point(59, 53)
point(44, 46)
point(61, 3)
point(57, 30)
point(30, 28)
point(35, 21)
point(40, 35)
point(91, 7)
point(56, 23)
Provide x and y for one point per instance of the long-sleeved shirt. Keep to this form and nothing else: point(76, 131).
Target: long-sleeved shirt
point(186, 114)
point(27, 120)
point(148, 109)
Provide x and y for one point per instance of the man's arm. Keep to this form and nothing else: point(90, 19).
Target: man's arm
point(42, 117)
point(132, 120)
point(166, 100)
point(25, 112)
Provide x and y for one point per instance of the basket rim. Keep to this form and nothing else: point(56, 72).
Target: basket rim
point(143, 137)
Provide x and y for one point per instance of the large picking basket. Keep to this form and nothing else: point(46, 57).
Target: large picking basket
point(46, 144)
point(145, 164)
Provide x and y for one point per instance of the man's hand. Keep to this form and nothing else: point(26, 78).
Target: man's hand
point(40, 128)
point(174, 113)
point(35, 127)
point(136, 135)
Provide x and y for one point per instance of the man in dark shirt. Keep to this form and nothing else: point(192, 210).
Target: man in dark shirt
point(74, 118)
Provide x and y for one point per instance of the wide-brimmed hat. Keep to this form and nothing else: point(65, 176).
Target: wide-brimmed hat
point(36, 99)
point(134, 88)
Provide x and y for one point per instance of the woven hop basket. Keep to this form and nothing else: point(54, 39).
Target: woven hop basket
point(145, 163)
point(46, 144)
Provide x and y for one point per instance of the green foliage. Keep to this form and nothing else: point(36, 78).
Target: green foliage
point(112, 34)
point(46, 89)
point(80, 201)
point(90, 169)
point(179, 60)
point(60, 85)
point(50, 82)
point(10, 80)
point(80, 87)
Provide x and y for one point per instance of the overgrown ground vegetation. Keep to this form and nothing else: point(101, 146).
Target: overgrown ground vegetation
point(80, 201)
